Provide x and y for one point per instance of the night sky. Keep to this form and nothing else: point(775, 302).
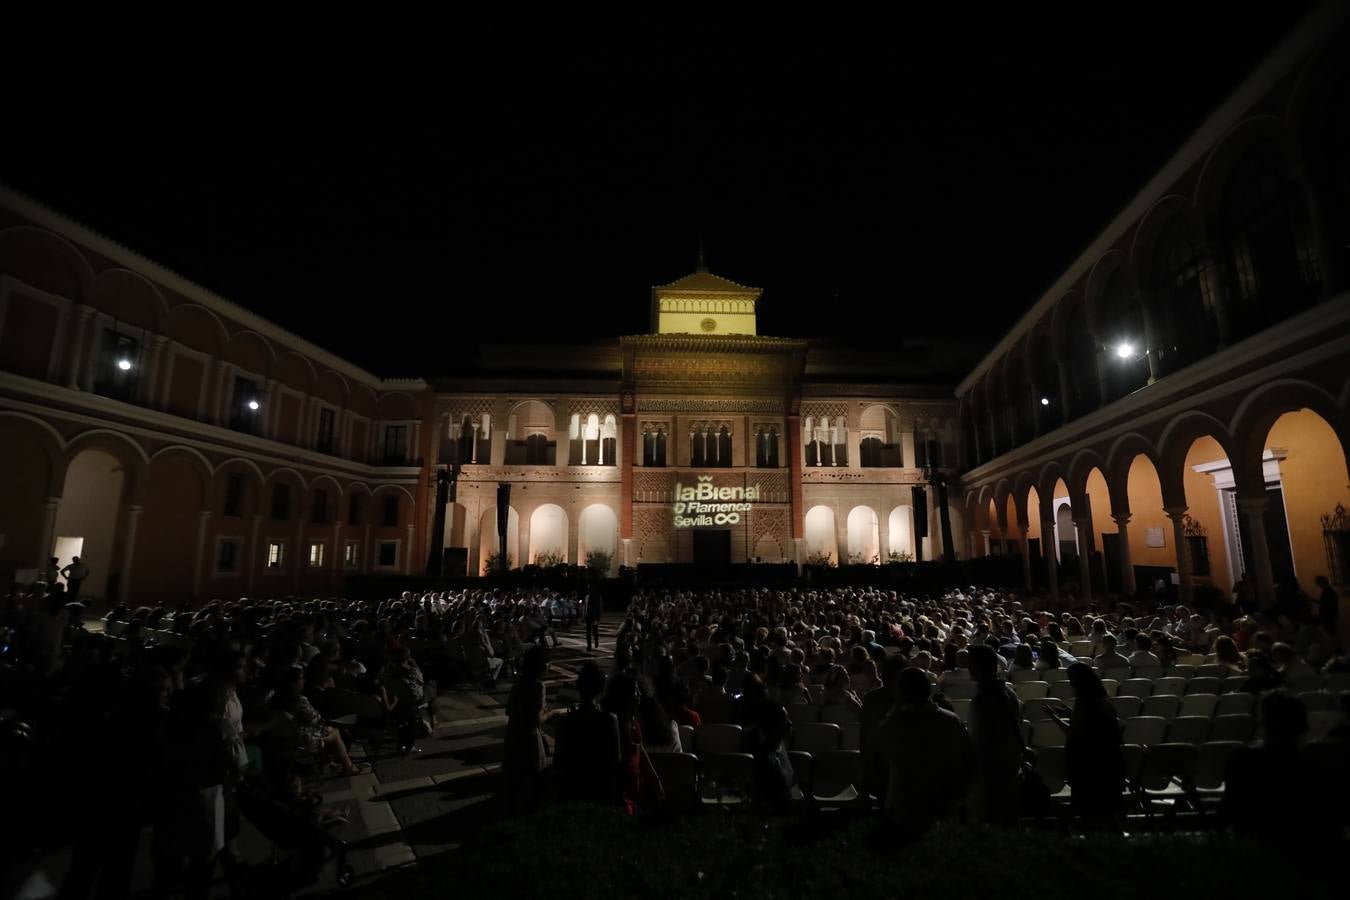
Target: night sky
point(392, 190)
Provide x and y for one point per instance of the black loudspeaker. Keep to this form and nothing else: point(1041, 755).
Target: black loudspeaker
point(920, 500)
point(455, 562)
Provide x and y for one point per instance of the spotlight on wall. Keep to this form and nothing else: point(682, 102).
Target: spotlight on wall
point(253, 405)
point(1045, 401)
point(1124, 350)
point(124, 364)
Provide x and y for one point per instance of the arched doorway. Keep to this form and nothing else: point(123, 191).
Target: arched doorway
point(598, 530)
point(821, 542)
point(86, 521)
point(489, 542)
point(864, 537)
point(548, 533)
point(900, 532)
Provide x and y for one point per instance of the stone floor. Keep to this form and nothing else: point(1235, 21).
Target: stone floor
point(407, 807)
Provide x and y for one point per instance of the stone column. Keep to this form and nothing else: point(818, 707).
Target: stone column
point(129, 552)
point(203, 520)
point(408, 550)
point(573, 541)
point(48, 532)
point(220, 406)
point(1253, 511)
point(1177, 514)
point(1051, 553)
point(1218, 289)
point(986, 548)
point(627, 453)
point(796, 454)
point(1002, 544)
point(1066, 409)
point(1025, 527)
point(627, 551)
point(1151, 335)
point(1127, 585)
point(883, 537)
point(150, 384)
point(336, 567)
point(300, 557)
point(1086, 544)
point(841, 536)
point(253, 552)
point(78, 338)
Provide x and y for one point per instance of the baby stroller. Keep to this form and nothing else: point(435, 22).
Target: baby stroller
point(301, 846)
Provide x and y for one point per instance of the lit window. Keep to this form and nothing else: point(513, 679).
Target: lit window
point(350, 558)
point(276, 554)
point(315, 554)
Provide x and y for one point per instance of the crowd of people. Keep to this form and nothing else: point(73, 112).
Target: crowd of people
point(180, 706)
point(749, 656)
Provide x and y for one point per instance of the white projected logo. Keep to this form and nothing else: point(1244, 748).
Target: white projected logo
point(707, 504)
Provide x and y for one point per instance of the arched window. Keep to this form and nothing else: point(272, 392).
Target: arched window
point(698, 446)
point(1122, 330)
point(538, 450)
point(869, 452)
point(1080, 349)
point(654, 447)
point(766, 448)
point(1275, 268)
point(609, 441)
point(724, 454)
point(812, 451)
point(1187, 324)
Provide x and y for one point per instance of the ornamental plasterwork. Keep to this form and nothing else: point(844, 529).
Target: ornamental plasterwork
point(651, 523)
point(757, 427)
point(601, 406)
point(474, 407)
point(832, 475)
point(697, 405)
point(653, 486)
point(817, 408)
point(712, 425)
point(773, 486)
point(771, 522)
point(662, 425)
point(589, 474)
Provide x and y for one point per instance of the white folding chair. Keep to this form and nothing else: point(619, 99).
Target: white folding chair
point(1203, 684)
point(1054, 676)
point(1199, 705)
point(1188, 730)
point(1152, 673)
point(1169, 684)
point(1181, 670)
point(1164, 706)
point(837, 777)
point(1144, 730)
point(1029, 690)
point(1236, 727)
point(1126, 706)
point(1233, 704)
point(1135, 687)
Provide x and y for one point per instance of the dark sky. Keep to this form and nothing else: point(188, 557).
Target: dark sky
point(391, 189)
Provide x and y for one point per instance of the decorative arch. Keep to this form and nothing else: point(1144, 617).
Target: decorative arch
point(1175, 443)
point(23, 249)
point(285, 365)
point(1082, 464)
point(1252, 421)
point(1224, 156)
point(207, 470)
point(211, 340)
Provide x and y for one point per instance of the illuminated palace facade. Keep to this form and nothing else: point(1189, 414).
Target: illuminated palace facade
point(1177, 405)
point(699, 442)
point(187, 448)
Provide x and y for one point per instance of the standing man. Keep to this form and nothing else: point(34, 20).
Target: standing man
point(75, 574)
point(595, 606)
